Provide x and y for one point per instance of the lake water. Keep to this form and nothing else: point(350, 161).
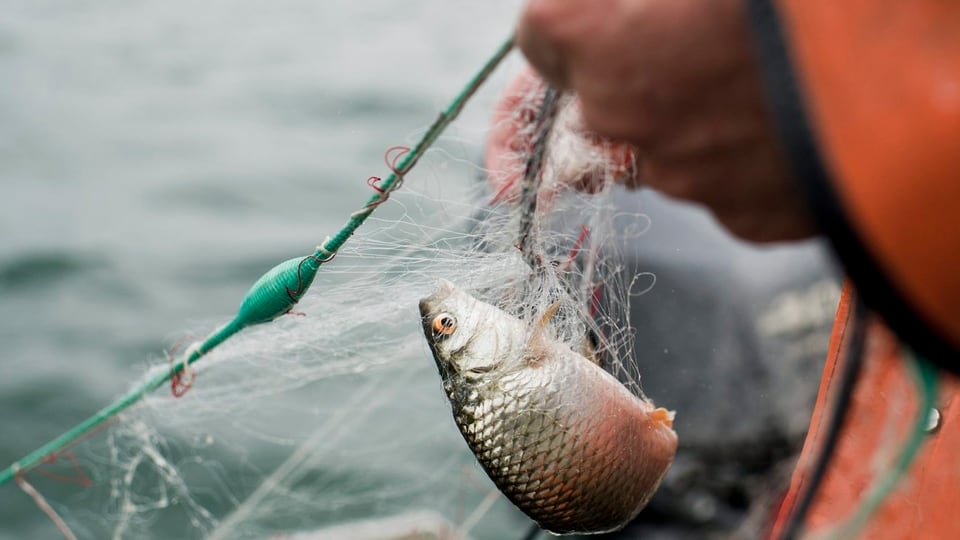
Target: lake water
point(157, 156)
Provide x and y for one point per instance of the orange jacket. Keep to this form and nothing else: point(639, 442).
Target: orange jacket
point(867, 95)
point(926, 503)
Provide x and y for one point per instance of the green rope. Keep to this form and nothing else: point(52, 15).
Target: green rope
point(277, 291)
point(926, 375)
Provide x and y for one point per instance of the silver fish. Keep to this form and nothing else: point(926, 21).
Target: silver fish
point(562, 438)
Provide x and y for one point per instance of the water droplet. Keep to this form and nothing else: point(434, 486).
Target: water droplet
point(933, 421)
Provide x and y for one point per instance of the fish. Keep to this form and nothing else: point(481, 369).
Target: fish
point(560, 437)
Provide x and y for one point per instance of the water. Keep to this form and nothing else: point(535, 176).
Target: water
point(157, 156)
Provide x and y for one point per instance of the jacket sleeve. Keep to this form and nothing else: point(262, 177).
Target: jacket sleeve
point(866, 94)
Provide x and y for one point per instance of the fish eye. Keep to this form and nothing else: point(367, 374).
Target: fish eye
point(443, 325)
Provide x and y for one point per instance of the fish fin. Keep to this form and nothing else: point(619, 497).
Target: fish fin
point(538, 332)
point(541, 326)
point(663, 416)
point(588, 349)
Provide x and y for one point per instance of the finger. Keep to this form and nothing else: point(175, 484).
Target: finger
point(536, 36)
point(780, 227)
point(740, 190)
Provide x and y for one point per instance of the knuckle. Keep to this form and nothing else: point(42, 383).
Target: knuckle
point(538, 15)
point(618, 125)
point(539, 28)
point(671, 179)
point(539, 37)
point(744, 226)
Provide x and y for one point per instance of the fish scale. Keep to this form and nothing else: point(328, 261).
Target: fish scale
point(561, 438)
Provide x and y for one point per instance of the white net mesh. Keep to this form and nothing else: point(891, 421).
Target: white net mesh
point(311, 420)
point(334, 414)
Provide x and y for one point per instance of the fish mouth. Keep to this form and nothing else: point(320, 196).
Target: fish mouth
point(430, 307)
point(428, 310)
point(427, 313)
point(427, 306)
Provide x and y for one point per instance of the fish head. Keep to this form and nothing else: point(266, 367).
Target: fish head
point(467, 336)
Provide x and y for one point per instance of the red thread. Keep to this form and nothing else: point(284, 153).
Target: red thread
point(501, 193)
point(584, 233)
point(79, 476)
point(374, 182)
point(179, 386)
point(295, 294)
point(328, 259)
point(392, 156)
point(577, 246)
point(595, 301)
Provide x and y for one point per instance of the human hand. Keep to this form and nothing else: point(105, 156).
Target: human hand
point(575, 157)
point(678, 80)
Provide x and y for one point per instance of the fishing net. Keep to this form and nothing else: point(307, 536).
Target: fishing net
point(333, 414)
point(310, 420)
